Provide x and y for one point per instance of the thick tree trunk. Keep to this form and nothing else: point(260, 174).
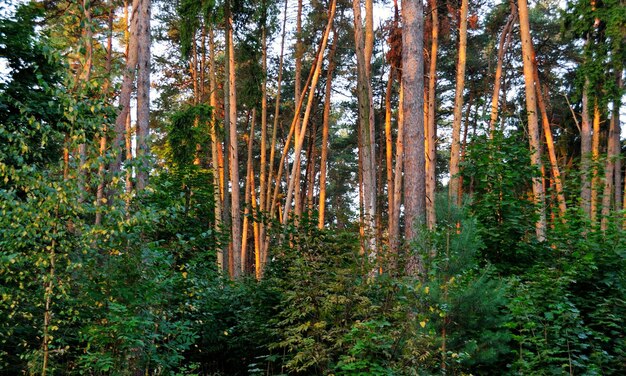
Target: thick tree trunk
point(143, 94)
point(297, 90)
point(531, 109)
point(431, 126)
point(455, 152)
point(413, 109)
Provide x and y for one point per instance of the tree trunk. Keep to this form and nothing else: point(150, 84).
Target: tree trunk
point(547, 131)
point(364, 46)
point(230, 121)
point(413, 107)
point(294, 178)
point(585, 153)
point(394, 232)
point(218, 169)
point(455, 151)
point(595, 154)
point(325, 129)
point(389, 148)
point(431, 127)
point(502, 47)
point(612, 155)
point(247, 193)
point(126, 89)
point(143, 94)
point(531, 109)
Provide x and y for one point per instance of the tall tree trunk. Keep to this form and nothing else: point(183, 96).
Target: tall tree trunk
point(531, 109)
point(431, 127)
point(455, 151)
point(364, 47)
point(143, 94)
point(547, 131)
point(294, 178)
point(297, 90)
point(618, 146)
point(269, 202)
point(263, 166)
point(413, 107)
point(230, 121)
point(218, 168)
point(585, 151)
point(389, 148)
point(394, 232)
point(126, 89)
point(325, 130)
point(502, 47)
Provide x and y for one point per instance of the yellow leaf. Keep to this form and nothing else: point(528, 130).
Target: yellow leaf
point(427, 290)
point(422, 323)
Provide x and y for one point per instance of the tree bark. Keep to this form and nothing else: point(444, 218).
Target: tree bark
point(547, 131)
point(364, 46)
point(502, 47)
point(531, 109)
point(126, 89)
point(595, 154)
point(143, 94)
point(413, 109)
point(325, 130)
point(455, 152)
point(230, 121)
point(431, 127)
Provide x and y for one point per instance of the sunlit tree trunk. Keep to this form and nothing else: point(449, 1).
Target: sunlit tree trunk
point(247, 194)
point(263, 166)
point(431, 126)
point(143, 94)
point(325, 130)
point(394, 232)
point(455, 151)
point(531, 109)
point(595, 154)
point(413, 109)
point(294, 179)
point(230, 121)
point(547, 131)
point(218, 168)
